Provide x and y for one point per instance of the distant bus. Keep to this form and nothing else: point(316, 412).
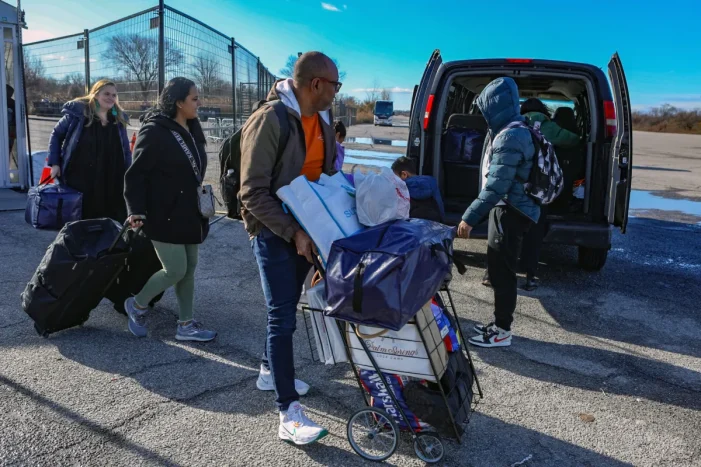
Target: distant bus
point(383, 112)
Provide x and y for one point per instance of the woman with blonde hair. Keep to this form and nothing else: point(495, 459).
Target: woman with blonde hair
point(89, 151)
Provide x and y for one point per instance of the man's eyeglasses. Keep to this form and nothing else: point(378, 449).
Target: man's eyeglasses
point(337, 85)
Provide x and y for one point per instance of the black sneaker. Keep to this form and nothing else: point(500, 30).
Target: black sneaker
point(485, 280)
point(530, 284)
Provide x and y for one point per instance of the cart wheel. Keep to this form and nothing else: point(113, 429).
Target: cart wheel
point(429, 448)
point(372, 434)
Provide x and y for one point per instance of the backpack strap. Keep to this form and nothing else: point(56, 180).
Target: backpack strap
point(281, 111)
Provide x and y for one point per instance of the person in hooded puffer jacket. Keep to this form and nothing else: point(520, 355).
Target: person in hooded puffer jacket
point(503, 197)
point(89, 151)
point(161, 194)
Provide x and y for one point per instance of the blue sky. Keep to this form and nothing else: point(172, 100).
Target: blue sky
point(388, 42)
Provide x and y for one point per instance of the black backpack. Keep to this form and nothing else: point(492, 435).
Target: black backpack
point(230, 159)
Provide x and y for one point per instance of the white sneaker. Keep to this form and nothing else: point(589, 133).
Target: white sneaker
point(492, 336)
point(265, 382)
point(296, 428)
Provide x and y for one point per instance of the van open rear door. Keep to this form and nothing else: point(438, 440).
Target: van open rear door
point(621, 168)
point(415, 144)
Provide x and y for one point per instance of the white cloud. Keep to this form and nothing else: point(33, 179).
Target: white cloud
point(394, 90)
point(53, 57)
point(329, 7)
point(35, 35)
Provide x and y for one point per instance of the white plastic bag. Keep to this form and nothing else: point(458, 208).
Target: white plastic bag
point(380, 197)
point(326, 213)
point(329, 342)
point(338, 180)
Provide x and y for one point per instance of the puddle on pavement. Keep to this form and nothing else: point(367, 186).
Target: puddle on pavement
point(378, 141)
point(355, 140)
point(646, 201)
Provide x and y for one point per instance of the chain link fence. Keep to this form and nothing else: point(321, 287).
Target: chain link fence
point(140, 53)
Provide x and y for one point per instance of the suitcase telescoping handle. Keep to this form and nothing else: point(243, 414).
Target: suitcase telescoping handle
point(125, 227)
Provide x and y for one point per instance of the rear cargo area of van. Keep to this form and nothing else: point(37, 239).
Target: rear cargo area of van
point(460, 138)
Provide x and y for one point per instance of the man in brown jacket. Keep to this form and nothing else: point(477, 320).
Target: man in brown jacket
point(282, 248)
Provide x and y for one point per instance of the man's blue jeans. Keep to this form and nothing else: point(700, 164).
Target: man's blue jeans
point(282, 274)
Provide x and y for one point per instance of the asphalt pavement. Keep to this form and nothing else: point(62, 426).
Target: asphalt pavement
point(605, 368)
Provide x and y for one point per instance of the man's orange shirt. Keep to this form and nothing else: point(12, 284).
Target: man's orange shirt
point(314, 162)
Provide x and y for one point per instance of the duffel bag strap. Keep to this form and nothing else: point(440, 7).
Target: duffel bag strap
point(379, 333)
point(358, 288)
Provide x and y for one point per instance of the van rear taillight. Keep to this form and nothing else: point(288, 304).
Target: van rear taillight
point(427, 115)
point(610, 116)
point(519, 60)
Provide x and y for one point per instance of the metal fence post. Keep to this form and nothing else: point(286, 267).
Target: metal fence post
point(161, 47)
point(258, 81)
point(86, 47)
point(233, 80)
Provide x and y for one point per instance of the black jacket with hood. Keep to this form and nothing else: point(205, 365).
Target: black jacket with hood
point(161, 184)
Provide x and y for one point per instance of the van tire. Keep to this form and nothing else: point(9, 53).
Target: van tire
point(592, 259)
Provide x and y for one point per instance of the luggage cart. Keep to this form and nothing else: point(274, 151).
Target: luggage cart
point(372, 432)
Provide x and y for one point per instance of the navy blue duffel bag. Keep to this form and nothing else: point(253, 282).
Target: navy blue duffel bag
point(382, 276)
point(463, 145)
point(53, 206)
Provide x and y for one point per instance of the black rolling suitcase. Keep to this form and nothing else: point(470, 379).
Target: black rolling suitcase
point(74, 274)
point(141, 264)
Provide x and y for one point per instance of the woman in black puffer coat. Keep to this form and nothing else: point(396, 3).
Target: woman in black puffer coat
point(160, 189)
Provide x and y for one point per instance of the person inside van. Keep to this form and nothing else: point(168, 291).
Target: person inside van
point(426, 201)
point(510, 153)
point(536, 111)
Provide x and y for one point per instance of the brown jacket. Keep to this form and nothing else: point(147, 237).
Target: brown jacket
point(261, 177)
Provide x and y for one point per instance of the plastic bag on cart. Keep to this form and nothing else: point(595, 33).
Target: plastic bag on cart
point(382, 276)
point(339, 179)
point(380, 398)
point(381, 197)
point(450, 337)
point(325, 212)
point(329, 342)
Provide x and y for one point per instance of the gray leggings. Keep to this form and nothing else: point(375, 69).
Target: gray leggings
point(179, 264)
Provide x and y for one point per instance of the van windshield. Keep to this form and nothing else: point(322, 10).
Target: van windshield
point(384, 108)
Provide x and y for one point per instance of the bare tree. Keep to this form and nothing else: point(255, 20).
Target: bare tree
point(385, 95)
point(373, 94)
point(206, 74)
point(347, 100)
point(137, 56)
point(73, 85)
point(288, 71)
